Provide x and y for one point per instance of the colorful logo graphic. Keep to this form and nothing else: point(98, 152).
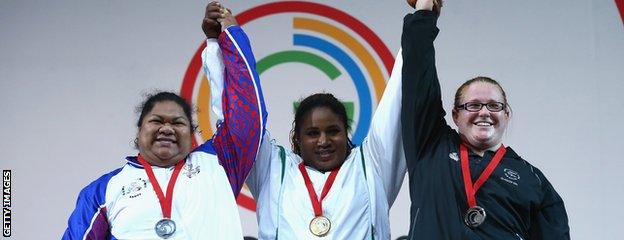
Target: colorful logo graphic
point(324, 38)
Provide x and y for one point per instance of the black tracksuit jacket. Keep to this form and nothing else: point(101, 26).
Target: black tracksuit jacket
point(519, 201)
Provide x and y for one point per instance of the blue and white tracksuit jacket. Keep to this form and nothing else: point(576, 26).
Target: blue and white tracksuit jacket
point(123, 205)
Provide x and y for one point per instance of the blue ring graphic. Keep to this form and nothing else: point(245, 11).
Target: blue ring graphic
point(354, 71)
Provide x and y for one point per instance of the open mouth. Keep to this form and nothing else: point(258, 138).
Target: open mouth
point(483, 124)
point(165, 140)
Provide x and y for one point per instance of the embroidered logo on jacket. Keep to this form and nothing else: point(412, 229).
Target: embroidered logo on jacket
point(189, 171)
point(133, 189)
point(511, 176)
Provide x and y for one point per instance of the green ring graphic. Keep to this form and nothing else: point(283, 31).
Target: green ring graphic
point(298, 56)
point(307, 58)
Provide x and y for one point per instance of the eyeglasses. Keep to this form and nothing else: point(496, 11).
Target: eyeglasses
point(476, 106)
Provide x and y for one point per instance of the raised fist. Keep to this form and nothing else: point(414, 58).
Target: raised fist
point(210, 24)
point(433, 5)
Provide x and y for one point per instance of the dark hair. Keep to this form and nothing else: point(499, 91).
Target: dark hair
point(311, 102)
point(152, 99)
point(460, 91)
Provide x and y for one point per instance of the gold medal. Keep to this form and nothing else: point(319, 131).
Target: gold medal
point(320, 226)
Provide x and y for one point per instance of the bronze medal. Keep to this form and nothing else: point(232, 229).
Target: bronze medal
point(475, 216)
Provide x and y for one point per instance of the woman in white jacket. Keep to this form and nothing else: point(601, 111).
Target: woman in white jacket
point(325, 187)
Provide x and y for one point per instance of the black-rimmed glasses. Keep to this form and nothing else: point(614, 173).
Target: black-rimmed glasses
point(477, 106)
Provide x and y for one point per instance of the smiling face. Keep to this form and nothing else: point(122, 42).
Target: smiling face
point(482, 130)
point(322, 139)
point(164, 137)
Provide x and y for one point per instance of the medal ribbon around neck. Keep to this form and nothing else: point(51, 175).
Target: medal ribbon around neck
point(317, 204)
point(165, 201)
point(471, 189)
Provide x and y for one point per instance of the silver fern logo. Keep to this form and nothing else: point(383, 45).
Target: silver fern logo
point(454, 156)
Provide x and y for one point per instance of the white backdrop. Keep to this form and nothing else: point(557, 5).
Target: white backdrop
point(72, 73)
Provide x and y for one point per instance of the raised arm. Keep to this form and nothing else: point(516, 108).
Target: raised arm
point(421, 111)
point(384, 143)
point(240, 111)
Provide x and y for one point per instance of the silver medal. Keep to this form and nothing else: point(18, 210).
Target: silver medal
point(165, 228)
point(475, 216)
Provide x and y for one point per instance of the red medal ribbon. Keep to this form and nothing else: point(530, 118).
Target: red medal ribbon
point(471, 190)
point(317, 204)
point(165, 201)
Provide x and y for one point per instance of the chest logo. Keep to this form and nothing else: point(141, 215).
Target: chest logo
point(189, 171)
point(511, 174)
point(454, 156)
point(134, 188)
